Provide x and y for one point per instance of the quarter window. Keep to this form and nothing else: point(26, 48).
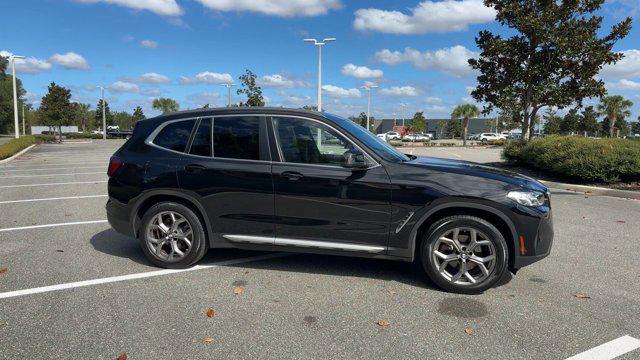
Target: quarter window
point(309, 142)
point(175, 136)
point(201, 144)
point(236, 137)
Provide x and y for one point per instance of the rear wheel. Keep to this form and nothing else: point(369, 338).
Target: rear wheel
point(172, 236)
point(464, 254)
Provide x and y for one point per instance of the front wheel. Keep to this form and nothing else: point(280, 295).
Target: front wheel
point(464, 254)
point(172, 236)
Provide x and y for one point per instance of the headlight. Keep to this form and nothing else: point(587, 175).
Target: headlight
point(527, 198)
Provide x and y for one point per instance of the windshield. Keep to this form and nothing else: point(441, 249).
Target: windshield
point(377, 145)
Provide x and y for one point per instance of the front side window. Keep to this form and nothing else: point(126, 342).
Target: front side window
point(175, 136)
point(201, 144)
point(236, 137)
point(309, 142)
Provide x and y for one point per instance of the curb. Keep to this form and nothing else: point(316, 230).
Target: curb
point(16, 155)
point(594, 190)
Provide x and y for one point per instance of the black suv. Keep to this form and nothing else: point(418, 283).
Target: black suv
point(294, 180)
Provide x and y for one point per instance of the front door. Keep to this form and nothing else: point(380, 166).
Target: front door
point(320, 204)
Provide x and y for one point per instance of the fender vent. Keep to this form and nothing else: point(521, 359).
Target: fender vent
point(404, 222)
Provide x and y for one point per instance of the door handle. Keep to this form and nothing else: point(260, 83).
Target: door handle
point(292, 175)
point(192, 168)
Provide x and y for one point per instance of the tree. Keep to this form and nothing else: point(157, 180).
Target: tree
point(360, 119)
point(635, 127)
point(442, 124)
point(166, 105)
point(614, 107)
point(6, 97)
point(312, 108)
point(98, 114)
point(453, 129)
point(138, 114)
point(569, 123)
point(588, 123)
point(552, 60)
point(81, 115)
point(123, 120)
point(465, 112)
point(419, 123)
point(250, 89)
point(55, 107)
point(551, 122)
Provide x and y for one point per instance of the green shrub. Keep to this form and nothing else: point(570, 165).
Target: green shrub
point(497, 142)
point(395, 142)
point(84, 135)
point(14, 146)
point(591, 160)
point(44, 138)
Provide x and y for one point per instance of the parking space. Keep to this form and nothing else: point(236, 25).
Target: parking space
point(73, 288)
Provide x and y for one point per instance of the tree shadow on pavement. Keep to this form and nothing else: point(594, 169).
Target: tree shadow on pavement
point(112, 243)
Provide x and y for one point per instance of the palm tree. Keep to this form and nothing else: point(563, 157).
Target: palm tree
point(465, 112)
point(614, 107)
point(166, 105)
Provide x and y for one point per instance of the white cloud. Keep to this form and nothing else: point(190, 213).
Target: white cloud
point(624, 85)
point(149, 44)
point(361, 72)
point(207, 78)
point(370, 84)
point(338, 92)
point(160, 7)
point(205, 97)
point(628, 67)
point(283, 8)
point(427, 17)
point(469, 89)
point(28, 65)
point(279, 81)
point(150, 78)
point(295, 100)
point(124, 87)
point(154, 93)
point(70, 60)
point(433, 100)
point(400, 91)
point(453, 60)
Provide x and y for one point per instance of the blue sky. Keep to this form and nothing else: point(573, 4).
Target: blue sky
point(416, 51)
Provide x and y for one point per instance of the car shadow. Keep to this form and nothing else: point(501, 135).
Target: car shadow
point(114, 244)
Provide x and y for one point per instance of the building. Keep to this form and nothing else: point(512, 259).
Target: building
point(39, 129)
point(476, 126)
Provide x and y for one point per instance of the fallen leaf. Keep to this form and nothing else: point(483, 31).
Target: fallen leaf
point(468, 331)
point(60, 250)
point(3, 270)
point(583, 296)
point(210, 313)
point(238, 290)
point(208, 340)
point(383, 323)
point(392, 292)
point(621, 221)
point(122, 356)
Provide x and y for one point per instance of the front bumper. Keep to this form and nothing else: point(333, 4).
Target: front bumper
point(535, 240)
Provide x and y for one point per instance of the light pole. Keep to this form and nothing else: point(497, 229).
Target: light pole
point(23, 127)
point(228, 86)
point(368, 88)
point(104, 115)
point(15, 95)
point(319, 44)
point(402, 107)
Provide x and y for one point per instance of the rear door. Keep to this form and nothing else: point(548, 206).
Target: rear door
point(228, 169)
point(319, 203)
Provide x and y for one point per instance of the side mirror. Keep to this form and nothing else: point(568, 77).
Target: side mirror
point(353, 159)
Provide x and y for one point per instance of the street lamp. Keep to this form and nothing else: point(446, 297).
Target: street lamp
point(15, 94)
point(402, 107)
point(319, 44)
point(368, 88)
point(104, 115)
point(23, 127)
point(228, 86)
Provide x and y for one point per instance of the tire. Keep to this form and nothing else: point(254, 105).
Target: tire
point(168, 256)
point(489, 242)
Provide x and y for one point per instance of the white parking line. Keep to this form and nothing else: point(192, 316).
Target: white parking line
point(135, 276)
point(450, 153)
point(50, 175)
point(51, 184)
point(609, 350)
point(53, 225)
point(8, 167)
point(49, 199)
point(42, 169)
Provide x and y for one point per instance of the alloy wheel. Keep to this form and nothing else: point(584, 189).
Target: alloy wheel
point(464, 256)
point(169, 236)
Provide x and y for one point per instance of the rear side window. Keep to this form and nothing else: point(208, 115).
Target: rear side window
point(201, 144)
point(236, 137)
point(175, 136)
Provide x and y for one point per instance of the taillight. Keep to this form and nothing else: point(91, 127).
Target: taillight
point(114, 164)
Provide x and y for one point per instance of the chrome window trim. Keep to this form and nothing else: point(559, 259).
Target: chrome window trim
point(325, 245)
point(373, 161)
point(156, 131)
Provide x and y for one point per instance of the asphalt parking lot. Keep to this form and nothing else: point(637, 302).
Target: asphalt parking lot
point(72, 288)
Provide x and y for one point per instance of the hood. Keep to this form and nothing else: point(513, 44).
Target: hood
point(474, 169)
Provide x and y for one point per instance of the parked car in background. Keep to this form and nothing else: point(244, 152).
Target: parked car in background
point(484, 137)
point(417, 137)
point(473, 137)
point(392, 135)
point(275, 179)
point(382, 136)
